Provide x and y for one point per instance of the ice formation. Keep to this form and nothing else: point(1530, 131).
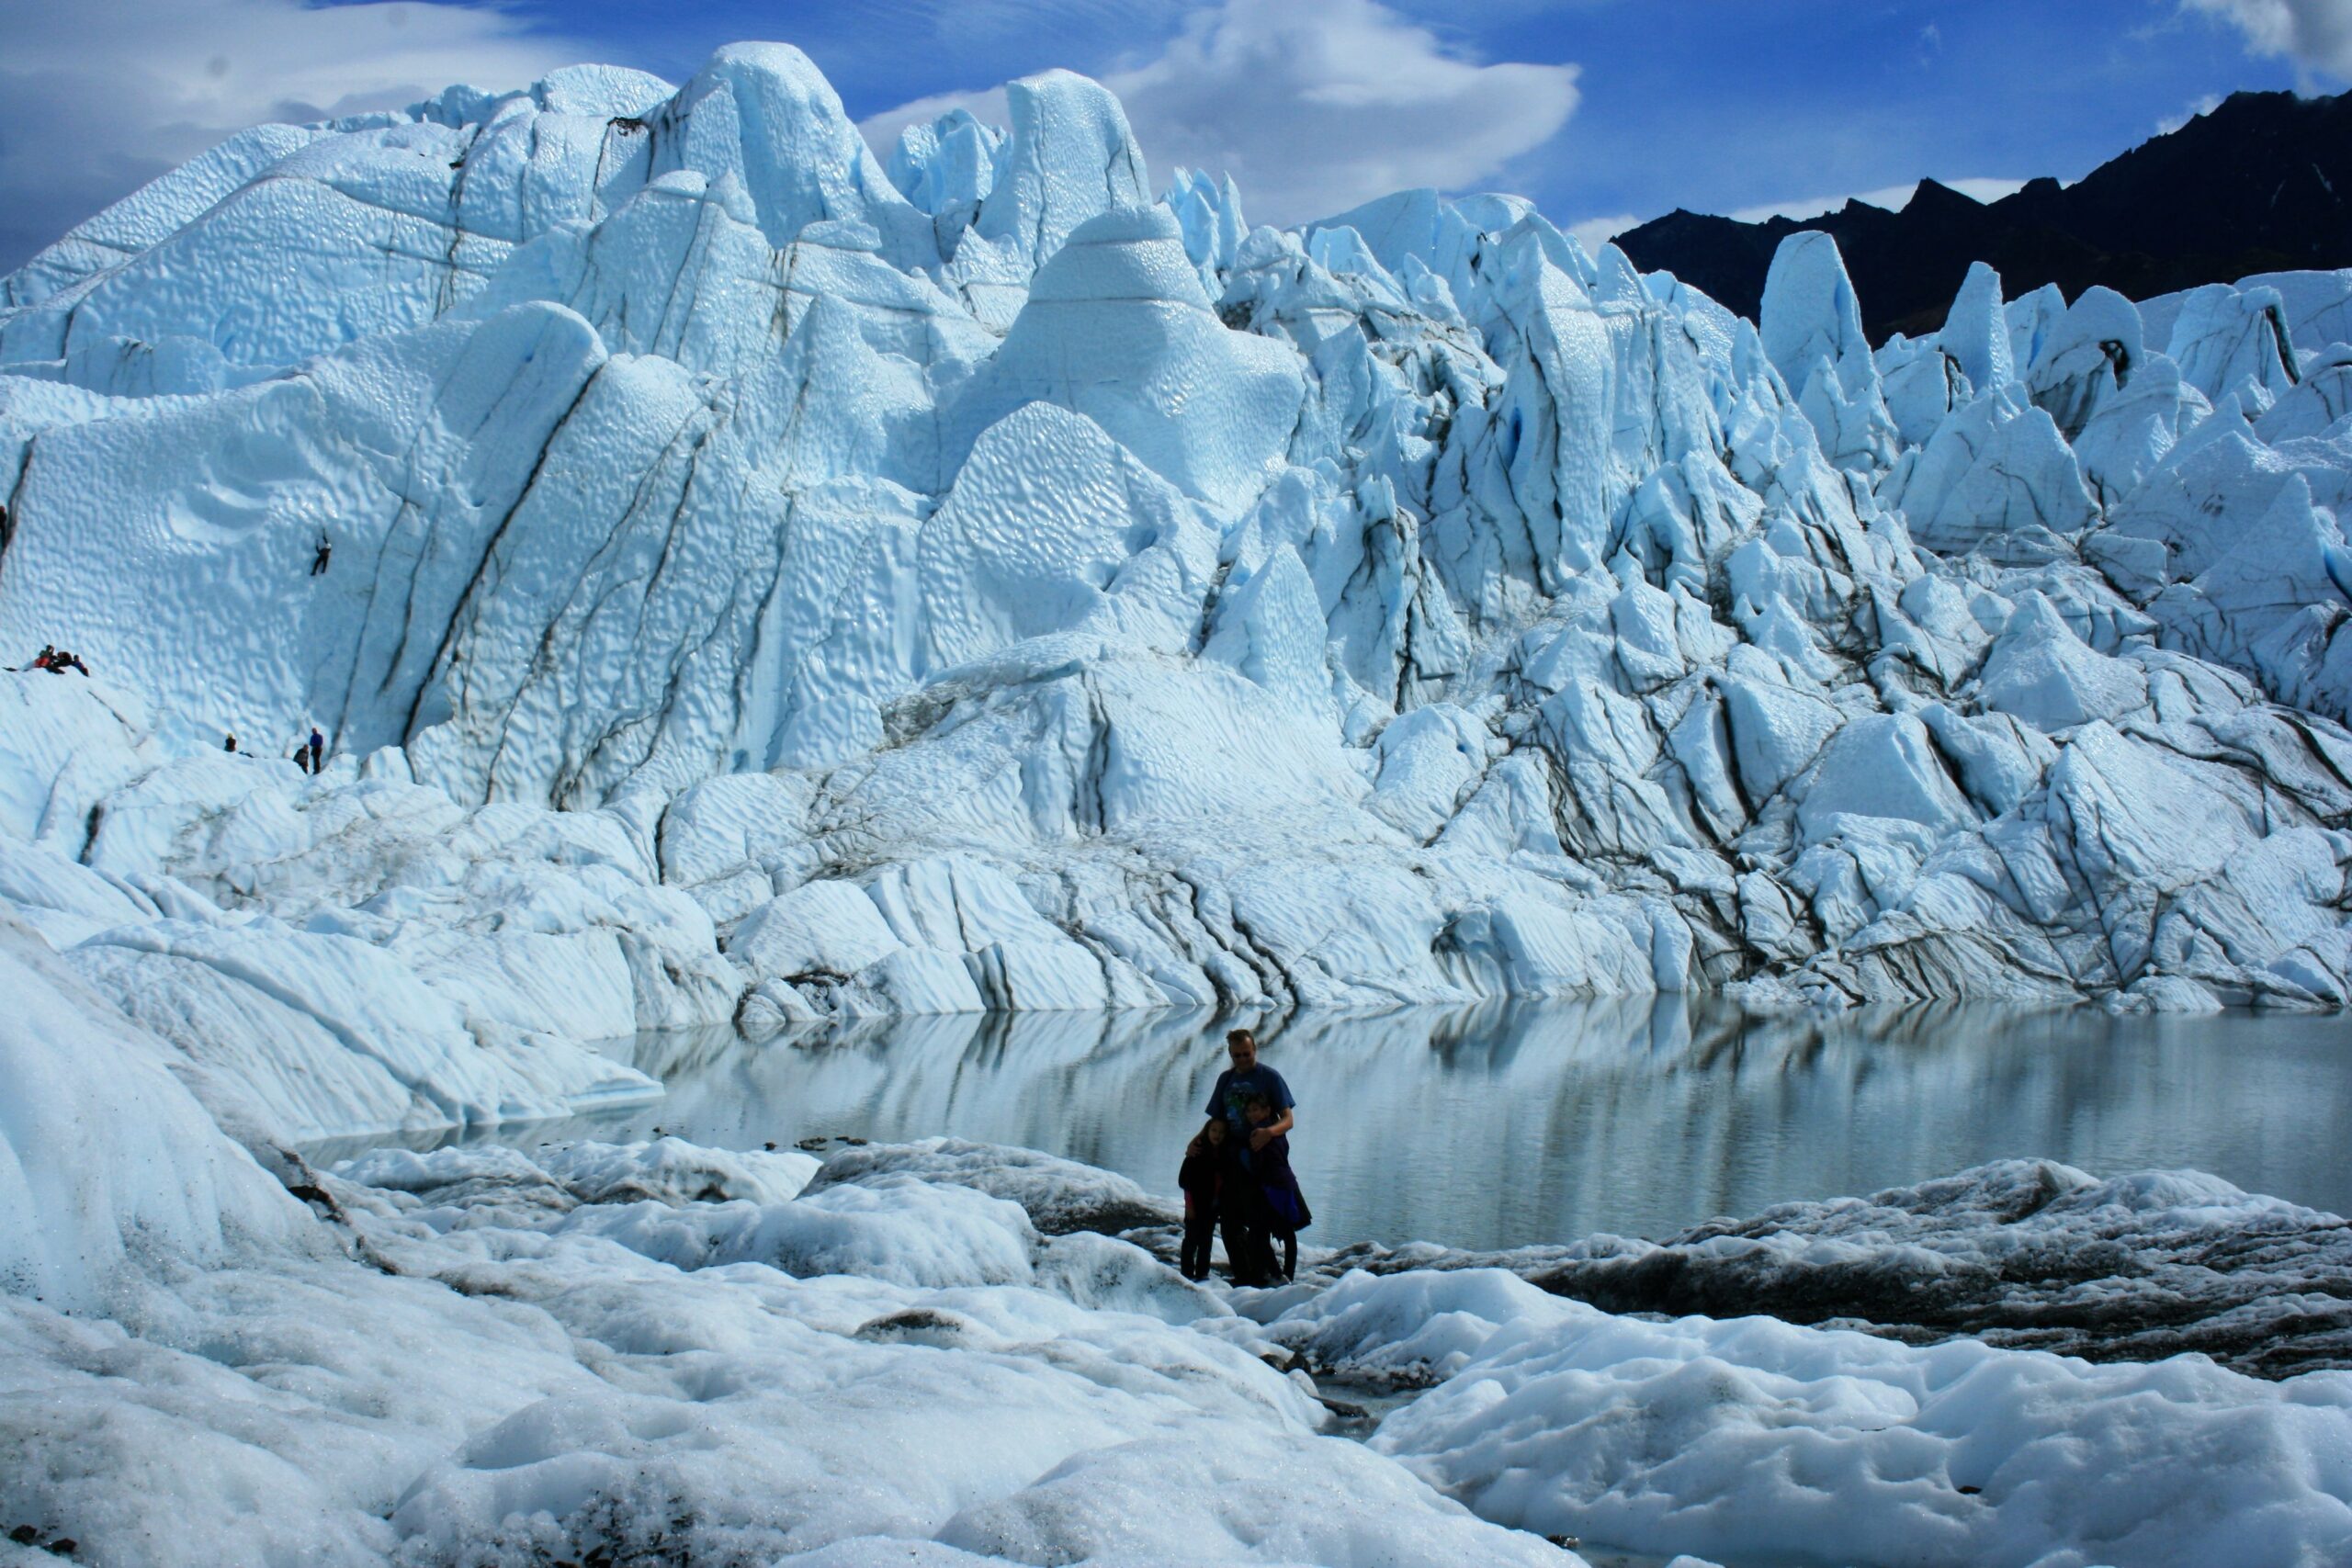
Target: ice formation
point(972, 583)
point(663, 1353)
point(2020, 1253)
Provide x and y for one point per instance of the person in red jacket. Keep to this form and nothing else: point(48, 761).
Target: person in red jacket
point(1201, 1177)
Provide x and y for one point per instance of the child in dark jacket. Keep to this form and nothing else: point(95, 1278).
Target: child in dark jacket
point(1285, 1212)
point(1200, 1178)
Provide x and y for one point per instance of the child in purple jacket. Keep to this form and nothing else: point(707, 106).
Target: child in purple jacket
point(1285, 1212)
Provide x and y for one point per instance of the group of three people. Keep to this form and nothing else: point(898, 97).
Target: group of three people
point(1237, 1174)
point(57, 661)
point(310, 755)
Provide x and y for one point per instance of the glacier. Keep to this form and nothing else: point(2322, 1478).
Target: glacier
point(824, 588)
point(768, 585)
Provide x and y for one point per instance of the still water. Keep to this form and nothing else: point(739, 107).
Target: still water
point(1510, 1123)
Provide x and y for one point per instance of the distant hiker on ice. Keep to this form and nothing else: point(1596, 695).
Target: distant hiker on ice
point(319, 561)
point(57, 661)
point(1242, 1212)
point(231, 745)
point(317, 750)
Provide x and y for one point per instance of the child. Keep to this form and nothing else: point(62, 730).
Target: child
point(1201, 1175)
point(1285, 1212)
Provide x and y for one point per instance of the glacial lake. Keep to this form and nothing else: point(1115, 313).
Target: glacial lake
point(1510, 1123)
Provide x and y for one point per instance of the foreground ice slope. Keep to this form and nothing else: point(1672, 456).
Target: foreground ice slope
point(973, 583)
point(663, 1353)
point(653, 1353)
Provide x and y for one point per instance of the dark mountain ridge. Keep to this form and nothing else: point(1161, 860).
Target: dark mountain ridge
point(2257, 184)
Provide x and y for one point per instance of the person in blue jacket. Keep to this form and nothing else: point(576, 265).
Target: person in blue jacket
point(1248, 1249)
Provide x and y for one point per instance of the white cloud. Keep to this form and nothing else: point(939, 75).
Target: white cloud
point(1313, 105)
point(1895, 199)
point(1595, 232)
point(2196, 110)
point(96, 98)
point(2315, 34)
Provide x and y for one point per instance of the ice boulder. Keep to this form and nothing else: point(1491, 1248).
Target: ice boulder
point(1412, 1328)
point(1050, 528)
point(947, 164)
point(1210, 214)
point(2031, 318)
point(1234, 1496)
point(1059, 1196)
point(2133, 431)
point(1974, 332)
point(1811, 312)
point(2272, 601)
point(1117, 328)
point(1776, 732)
point(1996, 474)
point(2235, 342)
point(1069, 158)
point(2088, 356)
point(1269, 625)
point(1883, 765)
point(763, 113)
point(1923, 386)
point(818, 928)
point(107, 1165)
point(2041, 673)
point(1812, 327)
point(2314, 405)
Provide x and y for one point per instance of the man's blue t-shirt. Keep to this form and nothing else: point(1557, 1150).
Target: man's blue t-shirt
point(1233, 1090)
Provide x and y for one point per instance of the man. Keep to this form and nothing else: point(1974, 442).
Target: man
point(317, 750)
point(1247, 1249)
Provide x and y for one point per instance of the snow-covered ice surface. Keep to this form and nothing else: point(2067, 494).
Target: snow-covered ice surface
point(747, 581)
point(623, 1354)
point(660, 1353)
point(663, 1353)
point(1802, 1444)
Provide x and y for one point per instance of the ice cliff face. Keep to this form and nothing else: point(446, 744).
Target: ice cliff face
point(973, 581)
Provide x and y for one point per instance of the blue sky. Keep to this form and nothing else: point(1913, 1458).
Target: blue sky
point(1602, 110)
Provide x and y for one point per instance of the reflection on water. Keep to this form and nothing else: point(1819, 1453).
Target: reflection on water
point(1517, 1122)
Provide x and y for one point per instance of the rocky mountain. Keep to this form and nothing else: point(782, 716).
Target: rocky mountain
point(2257, 184)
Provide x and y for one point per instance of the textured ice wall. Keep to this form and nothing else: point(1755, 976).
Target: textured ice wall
point(977, 584)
